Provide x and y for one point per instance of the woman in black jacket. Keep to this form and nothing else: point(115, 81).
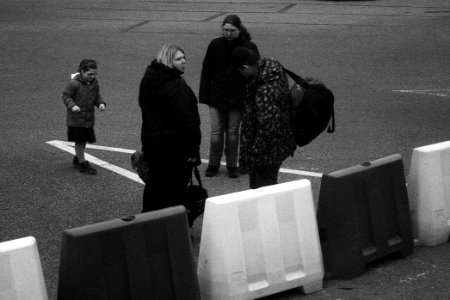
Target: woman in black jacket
point(223, 90)
point(170, 132)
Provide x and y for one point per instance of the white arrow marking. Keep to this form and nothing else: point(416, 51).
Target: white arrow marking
point(66, 146)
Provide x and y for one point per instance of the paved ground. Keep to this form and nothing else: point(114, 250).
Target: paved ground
point(387, 62)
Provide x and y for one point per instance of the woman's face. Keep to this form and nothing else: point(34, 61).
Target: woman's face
point(179, 61)
point(230, 32)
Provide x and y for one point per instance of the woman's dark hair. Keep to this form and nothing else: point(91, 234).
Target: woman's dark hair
point(87, 64)
point(244, 56)
point(236, 22)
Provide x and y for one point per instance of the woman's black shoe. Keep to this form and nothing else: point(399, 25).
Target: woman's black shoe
point(211, 171)
point(233, 172)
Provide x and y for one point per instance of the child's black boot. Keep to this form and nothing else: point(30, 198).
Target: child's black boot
point(85, 167)
point(75, 162)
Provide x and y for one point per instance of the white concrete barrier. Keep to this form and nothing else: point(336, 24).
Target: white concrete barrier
point(260, 242)
point(429, 193)
point(21, 276)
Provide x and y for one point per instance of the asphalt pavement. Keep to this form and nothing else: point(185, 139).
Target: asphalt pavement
point(387, 62)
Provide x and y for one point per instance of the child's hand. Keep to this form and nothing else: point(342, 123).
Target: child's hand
point(75, 108)
point(101, 107)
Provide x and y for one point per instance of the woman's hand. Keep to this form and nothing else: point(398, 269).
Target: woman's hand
point(76, 108)
point(192, 160)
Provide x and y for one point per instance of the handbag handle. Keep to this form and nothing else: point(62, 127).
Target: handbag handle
point(197, 176)
point(296, 78)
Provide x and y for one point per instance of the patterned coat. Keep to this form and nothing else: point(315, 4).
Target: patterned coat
point(266, 135)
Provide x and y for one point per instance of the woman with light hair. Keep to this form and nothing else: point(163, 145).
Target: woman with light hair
point(170, 132)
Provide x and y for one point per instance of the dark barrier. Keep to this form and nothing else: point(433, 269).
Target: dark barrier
point(363, 215)
point(144, 257)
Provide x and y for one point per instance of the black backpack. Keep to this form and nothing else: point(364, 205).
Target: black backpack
point(312, 108)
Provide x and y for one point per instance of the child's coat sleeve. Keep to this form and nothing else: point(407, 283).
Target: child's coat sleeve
point(68, 94)
point(99, 99)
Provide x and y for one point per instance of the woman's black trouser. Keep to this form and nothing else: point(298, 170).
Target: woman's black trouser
point(263, 176)
point(166, 183)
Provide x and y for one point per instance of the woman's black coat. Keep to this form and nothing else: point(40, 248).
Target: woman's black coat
point(220, 86)
point(170, 118)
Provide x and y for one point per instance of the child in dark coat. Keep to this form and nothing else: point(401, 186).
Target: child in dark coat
point(81, 96)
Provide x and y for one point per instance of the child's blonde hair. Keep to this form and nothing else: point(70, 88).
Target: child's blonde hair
point(167, 53)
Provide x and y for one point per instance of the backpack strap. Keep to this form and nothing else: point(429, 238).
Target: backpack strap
point(300, 81)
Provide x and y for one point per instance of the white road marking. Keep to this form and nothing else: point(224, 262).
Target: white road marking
point(68, 147)
point(436, 92)
point(96, 147)
point(283, 170)
point(301, 173)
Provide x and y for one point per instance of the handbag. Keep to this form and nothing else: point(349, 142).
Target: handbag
point(194, 198)
point(312, 108)
point(139, 165)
